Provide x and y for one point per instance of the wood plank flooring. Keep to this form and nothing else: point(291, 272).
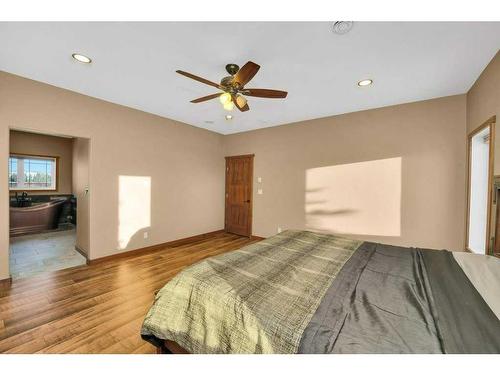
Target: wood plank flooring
point(97, 308)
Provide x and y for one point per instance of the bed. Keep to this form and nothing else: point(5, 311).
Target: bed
point(305, 292)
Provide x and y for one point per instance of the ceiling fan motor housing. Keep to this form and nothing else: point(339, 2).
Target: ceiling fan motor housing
point(226, 81)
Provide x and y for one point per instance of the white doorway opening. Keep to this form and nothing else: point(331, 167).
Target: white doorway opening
point(480, 179)
point(49, 210)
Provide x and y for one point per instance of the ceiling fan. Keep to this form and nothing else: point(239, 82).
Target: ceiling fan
point(233, 87)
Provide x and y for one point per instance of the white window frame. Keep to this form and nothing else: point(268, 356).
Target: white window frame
point(20, 172)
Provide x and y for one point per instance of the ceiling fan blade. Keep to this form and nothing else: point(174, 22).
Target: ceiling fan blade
point(240, 103)
point(244, 108)
point(265, 93)
point(246, 73)
point(205, 98)
point(199, 79)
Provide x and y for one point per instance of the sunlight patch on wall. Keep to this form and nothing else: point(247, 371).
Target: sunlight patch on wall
point(134, 207)
point(359, 198)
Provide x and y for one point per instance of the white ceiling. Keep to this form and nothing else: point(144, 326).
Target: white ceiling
point(134, 64)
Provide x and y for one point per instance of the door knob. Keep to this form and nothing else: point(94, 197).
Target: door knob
point(247, 201)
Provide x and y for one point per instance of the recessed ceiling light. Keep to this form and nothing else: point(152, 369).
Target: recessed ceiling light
point(82, 58)
point(229, 117)
point(365, 82)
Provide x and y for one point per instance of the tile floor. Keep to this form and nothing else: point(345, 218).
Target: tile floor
point(37, 253)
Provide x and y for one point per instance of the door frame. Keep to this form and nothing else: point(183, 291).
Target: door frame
point(491, 124)
point(495, 213)
point(250, 213)
point(44, 131)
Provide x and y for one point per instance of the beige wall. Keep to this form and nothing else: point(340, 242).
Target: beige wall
point(483, 102)
point(80, 181)
point(184, 165)
point(394, 174)
point(401, 170)
point(39, 144)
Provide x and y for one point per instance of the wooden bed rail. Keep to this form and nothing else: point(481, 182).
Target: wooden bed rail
point(170, 347)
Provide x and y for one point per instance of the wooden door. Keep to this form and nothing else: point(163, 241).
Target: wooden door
point(239, 180)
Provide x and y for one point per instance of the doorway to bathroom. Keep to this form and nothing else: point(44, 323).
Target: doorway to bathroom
point(48, 203)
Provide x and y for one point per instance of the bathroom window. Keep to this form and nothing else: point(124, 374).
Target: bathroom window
point(27, 172)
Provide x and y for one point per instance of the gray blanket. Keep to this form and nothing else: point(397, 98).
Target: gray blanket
point(304, 292)
point(389, 299)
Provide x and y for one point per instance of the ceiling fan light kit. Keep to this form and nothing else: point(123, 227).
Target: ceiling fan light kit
point(233, 87)
point(229, 106)
point(225, 98)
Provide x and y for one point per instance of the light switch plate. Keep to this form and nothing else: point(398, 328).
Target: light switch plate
point(259, 179)
point(146, 235)
point(260, 191)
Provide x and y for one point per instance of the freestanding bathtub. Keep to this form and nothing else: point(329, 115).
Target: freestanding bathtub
point(36, 218)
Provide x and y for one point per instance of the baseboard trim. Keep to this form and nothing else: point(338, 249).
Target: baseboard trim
point(6, 282)
point(82, 252)
point(148, 249)
point(258, 238)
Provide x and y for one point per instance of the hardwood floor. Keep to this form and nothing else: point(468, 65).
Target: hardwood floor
point(97, 308)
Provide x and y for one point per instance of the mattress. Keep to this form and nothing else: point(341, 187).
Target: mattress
point(305, 292)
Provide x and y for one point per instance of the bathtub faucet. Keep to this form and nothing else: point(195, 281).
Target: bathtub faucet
point(23, 200)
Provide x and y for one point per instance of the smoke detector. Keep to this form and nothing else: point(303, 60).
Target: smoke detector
point(342, 27)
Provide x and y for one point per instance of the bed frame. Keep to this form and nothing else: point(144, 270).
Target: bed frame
point(170, 347)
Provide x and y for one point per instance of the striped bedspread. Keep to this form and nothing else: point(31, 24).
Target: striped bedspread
point(258, 299)
point(304, 292)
